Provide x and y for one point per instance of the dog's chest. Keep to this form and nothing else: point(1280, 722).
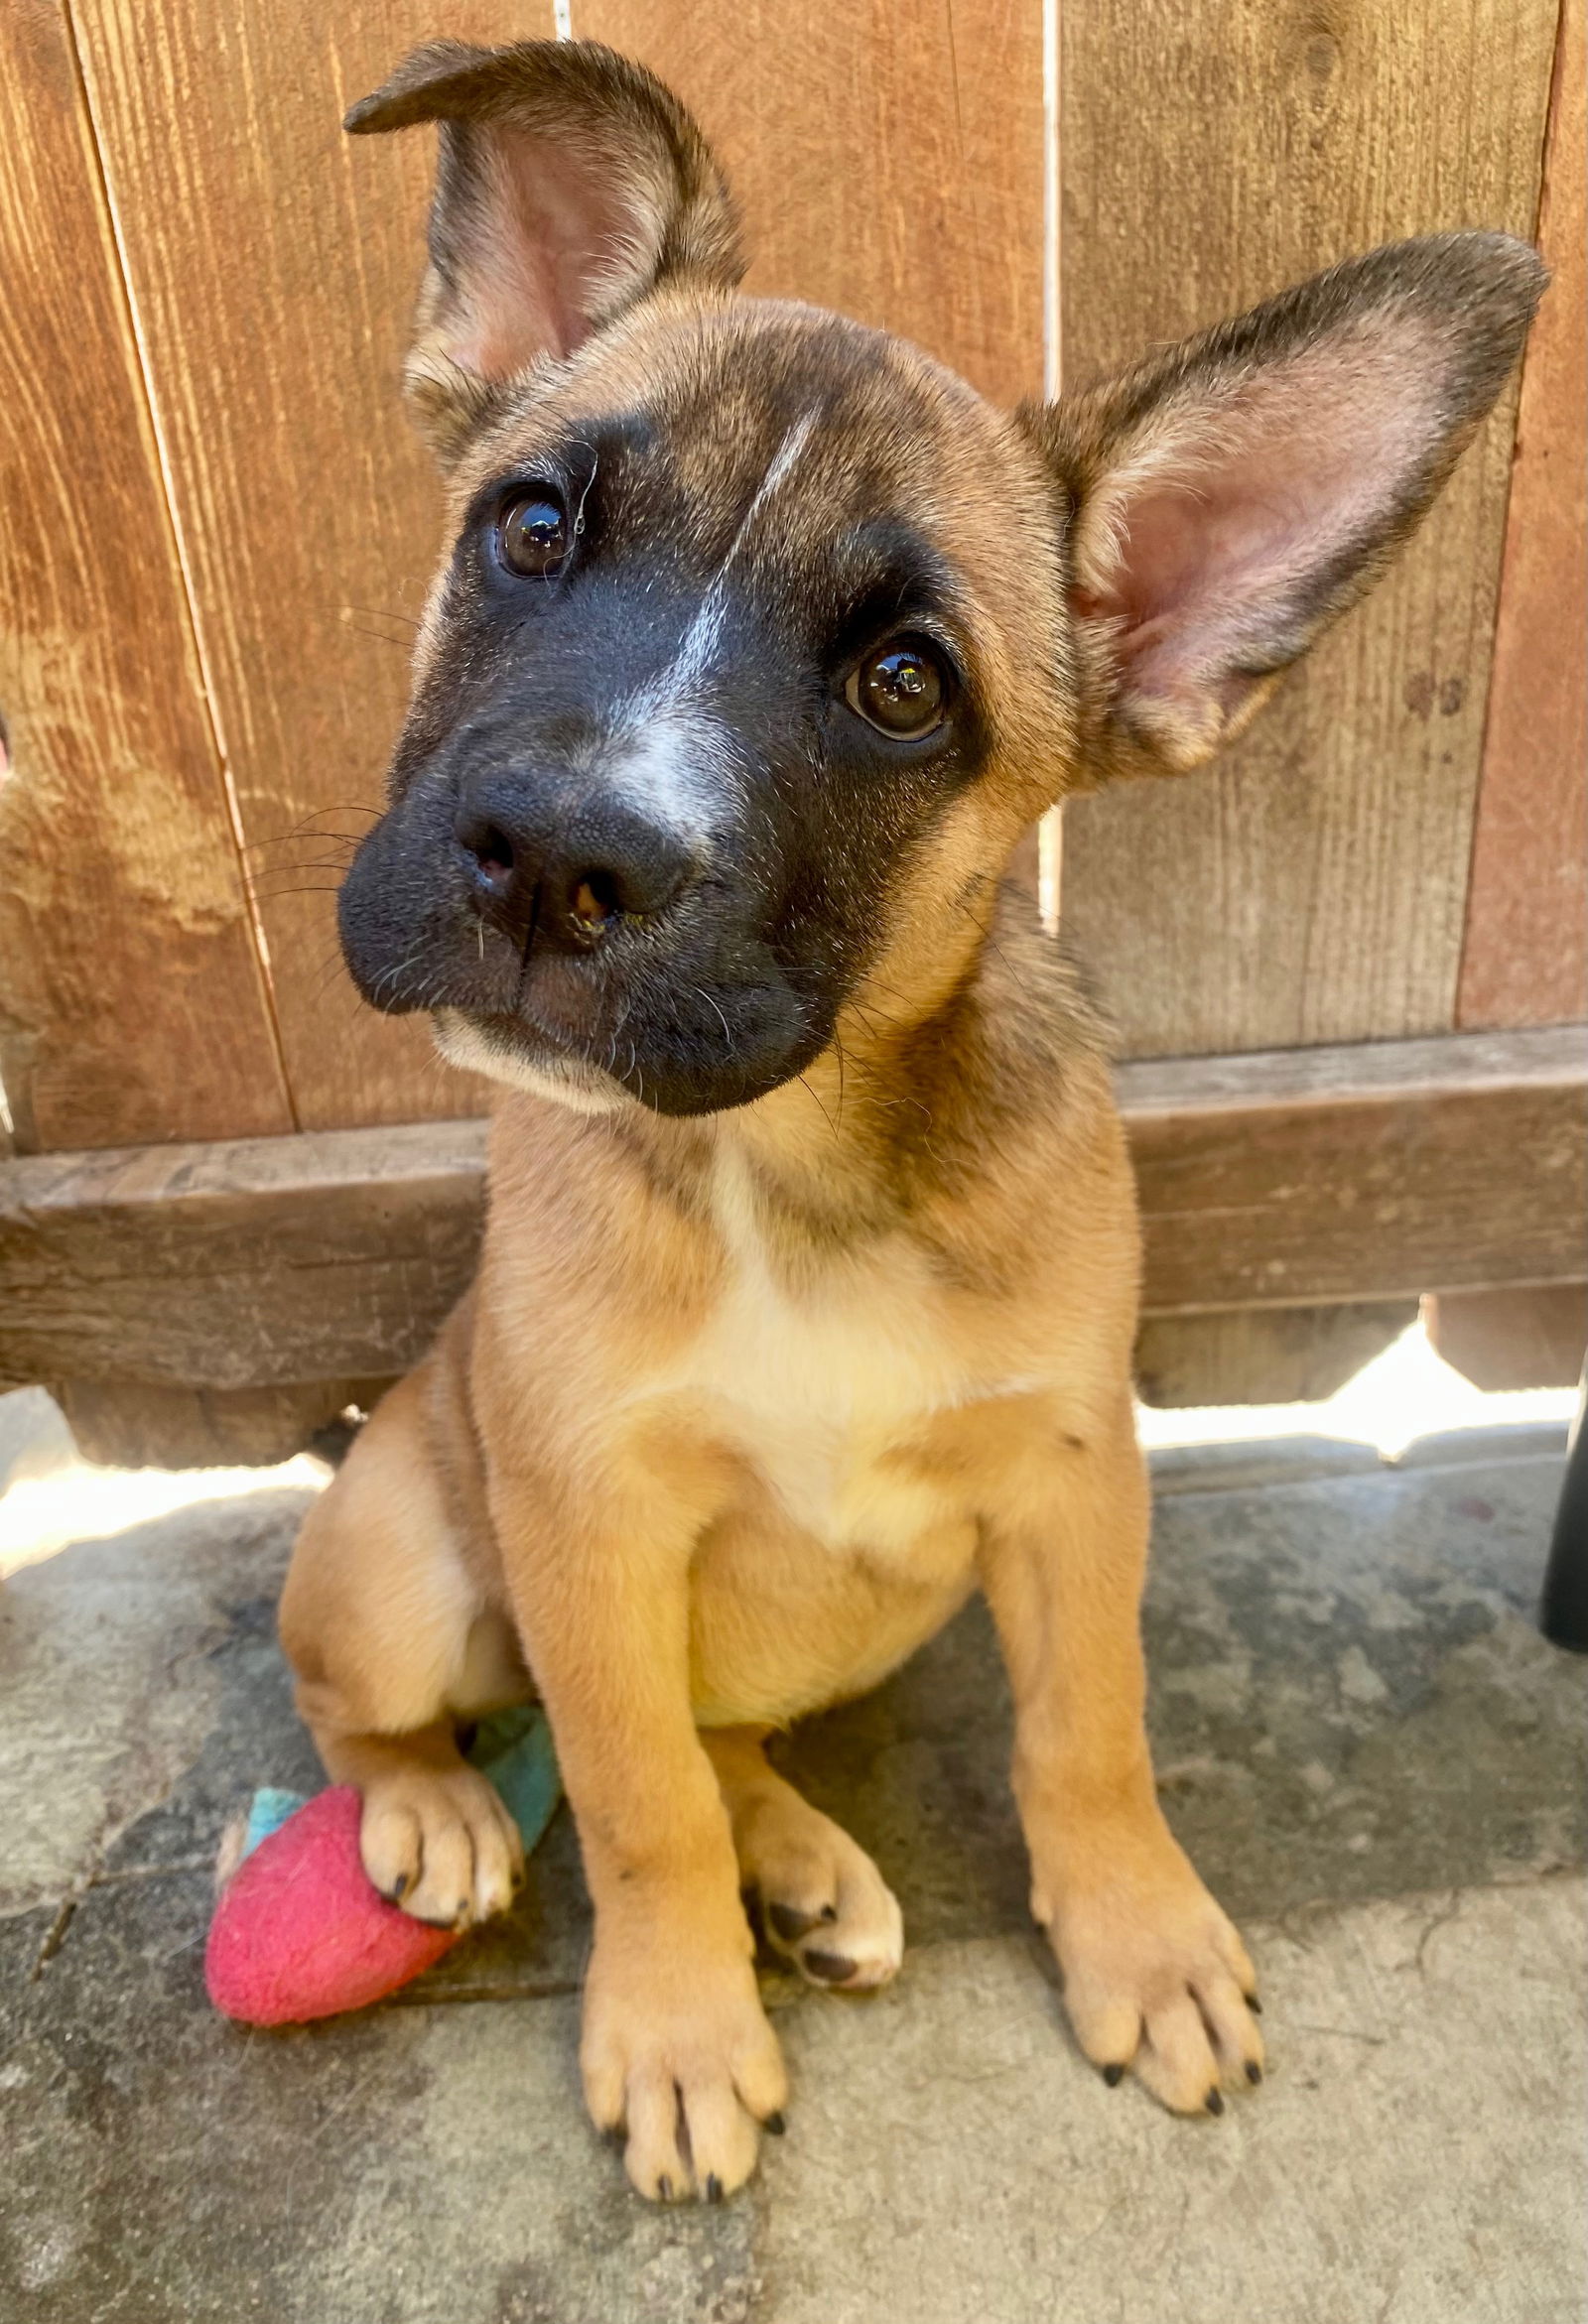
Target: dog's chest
point(819, 1390)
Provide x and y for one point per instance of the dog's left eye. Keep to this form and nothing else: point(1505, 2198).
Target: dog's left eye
point(532, 537)
point(902, 690)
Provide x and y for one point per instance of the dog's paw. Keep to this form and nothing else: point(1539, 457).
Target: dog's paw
point(440, 1844)
point(680, 2062)
point(824, 1904)
point(1157, 1979)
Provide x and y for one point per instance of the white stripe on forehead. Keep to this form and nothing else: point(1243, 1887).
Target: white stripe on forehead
point(694, 656)
point(667, 752)
point(788, 451)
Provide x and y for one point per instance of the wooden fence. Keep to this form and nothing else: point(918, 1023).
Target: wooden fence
point(216, 528)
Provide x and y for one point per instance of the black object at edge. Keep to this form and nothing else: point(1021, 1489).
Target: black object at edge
point(1564, 1612)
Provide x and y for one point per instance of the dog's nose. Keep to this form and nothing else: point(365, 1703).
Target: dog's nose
point(562, 882)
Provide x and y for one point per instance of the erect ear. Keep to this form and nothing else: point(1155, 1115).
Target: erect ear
point(1228, 498)
point(569, 183)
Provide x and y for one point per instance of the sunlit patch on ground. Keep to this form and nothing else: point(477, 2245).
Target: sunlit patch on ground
point(52, 1497)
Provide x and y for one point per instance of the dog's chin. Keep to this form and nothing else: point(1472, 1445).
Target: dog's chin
point(523, 1057)
point(507, 1052)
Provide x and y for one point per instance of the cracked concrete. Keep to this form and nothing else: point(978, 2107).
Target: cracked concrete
point(1373, 1754)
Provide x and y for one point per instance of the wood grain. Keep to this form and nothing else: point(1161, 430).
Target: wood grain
point(888, 158)
point(1533, 1338)
point(1312, 887)
point(131, 1002)
point(273, 264)
point(1294, 1177)
point(253, 1263)
point(131, 1425)
point(1281, 1181)
point(1525, 961)
point(1263, 1355)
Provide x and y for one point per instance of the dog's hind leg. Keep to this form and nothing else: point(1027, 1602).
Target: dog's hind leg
point(392, 1641)
point(825, 1904)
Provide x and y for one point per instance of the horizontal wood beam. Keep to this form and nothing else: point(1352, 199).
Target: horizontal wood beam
point(255, 1263)
point(1290, 1178)
point(1370, 1171)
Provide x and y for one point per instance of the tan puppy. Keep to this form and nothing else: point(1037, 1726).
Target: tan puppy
point(810, 1277)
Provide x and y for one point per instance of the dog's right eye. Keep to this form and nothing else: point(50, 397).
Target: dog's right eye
point(532, 537)
point(901, 691)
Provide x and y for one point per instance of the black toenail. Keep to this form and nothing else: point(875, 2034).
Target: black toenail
point(613, 2135)
point(713, 2188)
point(830, 1913)
point(664, 2188)
point(1215, 2103)
point(1253, 2071)
point(788, 1923)
point(776, 2124)
point(1253, 2005)
point(397, 1888)
point(1114, 2076)
point(830, 1968)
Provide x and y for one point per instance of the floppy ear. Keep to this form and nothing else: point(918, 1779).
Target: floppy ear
point(1228, 498)
point(569, 183)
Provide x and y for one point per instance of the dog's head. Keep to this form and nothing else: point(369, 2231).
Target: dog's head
point(761, 636)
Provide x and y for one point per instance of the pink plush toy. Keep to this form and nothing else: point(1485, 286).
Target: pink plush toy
point(300, 1932)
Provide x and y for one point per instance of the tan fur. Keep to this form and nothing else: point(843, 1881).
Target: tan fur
point(720, 1458)
point(744, 1404)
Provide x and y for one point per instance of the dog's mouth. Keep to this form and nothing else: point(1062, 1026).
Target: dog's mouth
point(506, 1049)
point(692, 1051)
point(695, 1011)
point(683, 1027)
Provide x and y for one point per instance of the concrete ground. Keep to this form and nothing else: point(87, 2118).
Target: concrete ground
point(1373, 1755)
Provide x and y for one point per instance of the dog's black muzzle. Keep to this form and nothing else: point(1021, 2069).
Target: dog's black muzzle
point(567, 922)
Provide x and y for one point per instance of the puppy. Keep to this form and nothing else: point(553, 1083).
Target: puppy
point(810, 1273)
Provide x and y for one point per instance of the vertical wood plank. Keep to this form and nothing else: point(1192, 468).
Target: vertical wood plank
point(1525, 961)
point(886, 154)
point(273, 264)
point(1312, 887)
point(132, 1005)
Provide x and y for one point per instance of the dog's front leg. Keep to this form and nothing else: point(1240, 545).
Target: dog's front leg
point(1154, 1974)
point(676, 2048)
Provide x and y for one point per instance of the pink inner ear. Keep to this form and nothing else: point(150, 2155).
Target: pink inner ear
point(552, 233)
point(1234, 510)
